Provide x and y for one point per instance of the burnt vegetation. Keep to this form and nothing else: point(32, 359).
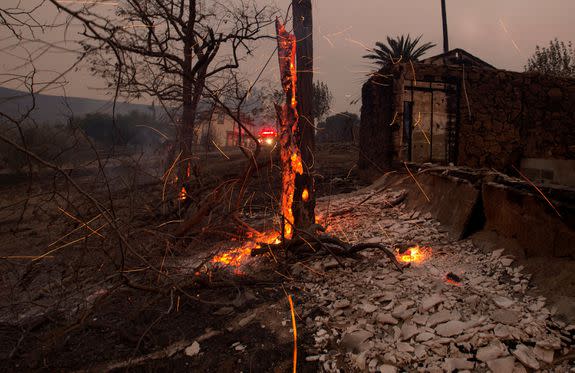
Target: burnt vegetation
point(101, 211)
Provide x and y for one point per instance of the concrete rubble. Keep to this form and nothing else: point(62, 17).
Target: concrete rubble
point(367, 316)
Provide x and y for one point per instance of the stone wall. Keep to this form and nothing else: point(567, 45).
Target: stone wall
point(503, 116)
point(377, 124)
point(515, 116)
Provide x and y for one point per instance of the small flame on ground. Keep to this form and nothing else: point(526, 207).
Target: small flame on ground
point(233, 257)
point(237, 256)
point(415, 254)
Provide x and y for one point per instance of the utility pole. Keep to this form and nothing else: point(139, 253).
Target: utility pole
point(444, 17)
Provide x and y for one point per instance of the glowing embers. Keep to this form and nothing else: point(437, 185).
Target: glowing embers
point(415, 254)
point(238, 256)
point(305, 195)
point(234, 257)
point(183, 194)
point(296, 164)
point(452, 279)
point(291, 167)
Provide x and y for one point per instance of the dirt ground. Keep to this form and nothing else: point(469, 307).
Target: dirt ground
point(72, 309)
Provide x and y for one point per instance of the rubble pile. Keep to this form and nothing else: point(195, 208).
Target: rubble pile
point(461, 309)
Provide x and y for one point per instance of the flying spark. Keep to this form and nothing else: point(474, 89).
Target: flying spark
point(359, 43)
point(508, 34)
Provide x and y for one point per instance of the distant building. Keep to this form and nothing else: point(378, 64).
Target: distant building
point(216, 126)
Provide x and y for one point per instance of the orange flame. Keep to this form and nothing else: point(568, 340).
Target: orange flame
point(183, 194)
point(233, 257)
point(415, 254)
point(305, 195)
point(237, 256)
point(290, 154)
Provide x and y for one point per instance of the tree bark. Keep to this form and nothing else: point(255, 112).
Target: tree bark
point(304, 195)
point(192, 90)
point(288, 119)
point(187, 135)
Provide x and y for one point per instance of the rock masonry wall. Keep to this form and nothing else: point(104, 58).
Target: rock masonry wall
point(504, 116)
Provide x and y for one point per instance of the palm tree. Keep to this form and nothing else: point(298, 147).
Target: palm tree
point(400, 49)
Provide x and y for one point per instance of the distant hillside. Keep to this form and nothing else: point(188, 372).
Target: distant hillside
point(58, 108)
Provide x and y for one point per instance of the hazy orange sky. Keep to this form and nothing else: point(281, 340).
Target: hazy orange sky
point(502, 32)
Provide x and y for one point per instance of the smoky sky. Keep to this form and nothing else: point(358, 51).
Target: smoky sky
point(501, 32)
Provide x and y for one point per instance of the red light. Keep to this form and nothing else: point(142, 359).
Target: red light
point(266, 132)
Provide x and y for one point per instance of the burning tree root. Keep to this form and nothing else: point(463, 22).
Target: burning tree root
point(324, 244)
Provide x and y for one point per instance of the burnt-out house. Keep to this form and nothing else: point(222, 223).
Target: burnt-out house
point(457, 109)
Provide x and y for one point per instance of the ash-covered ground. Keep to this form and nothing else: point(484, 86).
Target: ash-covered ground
point(367, 316)
point(73, 310)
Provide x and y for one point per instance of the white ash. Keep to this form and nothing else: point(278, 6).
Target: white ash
point(381, 320)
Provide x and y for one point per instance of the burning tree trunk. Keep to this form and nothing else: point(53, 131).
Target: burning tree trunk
point(288, 118)
point(297, 135)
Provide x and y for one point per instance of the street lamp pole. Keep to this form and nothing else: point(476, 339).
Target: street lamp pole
point(444, 17)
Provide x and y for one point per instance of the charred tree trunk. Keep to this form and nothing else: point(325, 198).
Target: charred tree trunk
point(189, 136)
point(288, 122)
point(208, 144)
point(192, 89)
point(186, 139)
point(304, 196)
point(186, 135)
